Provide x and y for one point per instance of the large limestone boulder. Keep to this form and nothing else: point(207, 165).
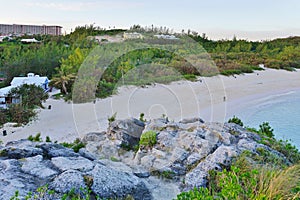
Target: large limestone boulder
point(127, 131)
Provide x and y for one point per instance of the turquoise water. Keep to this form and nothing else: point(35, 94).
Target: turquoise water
point(282, 111)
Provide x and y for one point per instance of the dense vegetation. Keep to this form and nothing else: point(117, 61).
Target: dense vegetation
point(60, 57)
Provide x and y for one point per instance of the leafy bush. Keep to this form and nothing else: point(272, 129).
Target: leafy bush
point(266, 129)
point(148, 139)
point(236, 120)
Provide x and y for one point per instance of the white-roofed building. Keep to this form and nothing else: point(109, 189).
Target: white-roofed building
point(37, 80)
point(33, 40)
point(166, 37)
point(31, 79)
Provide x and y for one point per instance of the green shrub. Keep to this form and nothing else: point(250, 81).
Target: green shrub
point(76, 145)
point(236, 120)
point(48, 139)
point(36, 138)
point(142, 117)
point(148, 139)
point(112, 118)
point(190, 77)
point(266, 129)
point(3, 116)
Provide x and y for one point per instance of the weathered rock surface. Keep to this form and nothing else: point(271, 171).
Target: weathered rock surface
point(127, 131)
point(185, 151)
point(62, 170)
point(181, 159)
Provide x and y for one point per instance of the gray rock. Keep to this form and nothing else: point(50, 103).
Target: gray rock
point(141, 172)
point(67, 181)
point(37, 167)
point(86, 154)
point(108, 183)
point(51, 150)
point(162, 189)
point(127, 131)
point(192, 120)
point(18, 153)
point(215, 161)
point(14, 179)
point(193, 159)
point(94, 137)
point(75, 163)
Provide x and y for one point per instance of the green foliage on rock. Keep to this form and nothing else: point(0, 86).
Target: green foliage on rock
point(76, 145)
point(236, 120)
point(266, 129)
point(148, 139)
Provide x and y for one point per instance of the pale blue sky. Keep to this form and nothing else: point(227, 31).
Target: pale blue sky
point(248, 19)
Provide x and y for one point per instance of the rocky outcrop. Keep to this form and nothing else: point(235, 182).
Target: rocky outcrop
point(181, 159)
point(185, 151)
point(26, 166)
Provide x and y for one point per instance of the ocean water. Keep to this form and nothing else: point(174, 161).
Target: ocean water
point(282, 111)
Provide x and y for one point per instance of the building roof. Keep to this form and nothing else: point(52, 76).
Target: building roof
point(4, 91)
point(36, 80)
point(33, 40)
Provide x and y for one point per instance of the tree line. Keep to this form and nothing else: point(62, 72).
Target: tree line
point(60, 57)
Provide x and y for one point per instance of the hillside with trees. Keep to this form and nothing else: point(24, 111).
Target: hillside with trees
point(60, 57)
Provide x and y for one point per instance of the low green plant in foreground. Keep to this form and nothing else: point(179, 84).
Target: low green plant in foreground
point(243, 181)
point(148, 139)
point(44, 192)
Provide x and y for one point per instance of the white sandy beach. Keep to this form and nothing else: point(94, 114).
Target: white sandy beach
point(67, 121)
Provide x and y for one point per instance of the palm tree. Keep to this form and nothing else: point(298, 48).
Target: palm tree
point(62, 79)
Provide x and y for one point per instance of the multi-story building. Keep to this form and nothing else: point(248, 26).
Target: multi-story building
point(19, 29)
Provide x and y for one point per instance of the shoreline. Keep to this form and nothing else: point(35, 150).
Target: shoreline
point(183, 99)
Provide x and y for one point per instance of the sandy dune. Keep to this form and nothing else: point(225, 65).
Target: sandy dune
point(205, 98)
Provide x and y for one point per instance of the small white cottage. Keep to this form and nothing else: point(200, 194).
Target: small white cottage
point(30, 79)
